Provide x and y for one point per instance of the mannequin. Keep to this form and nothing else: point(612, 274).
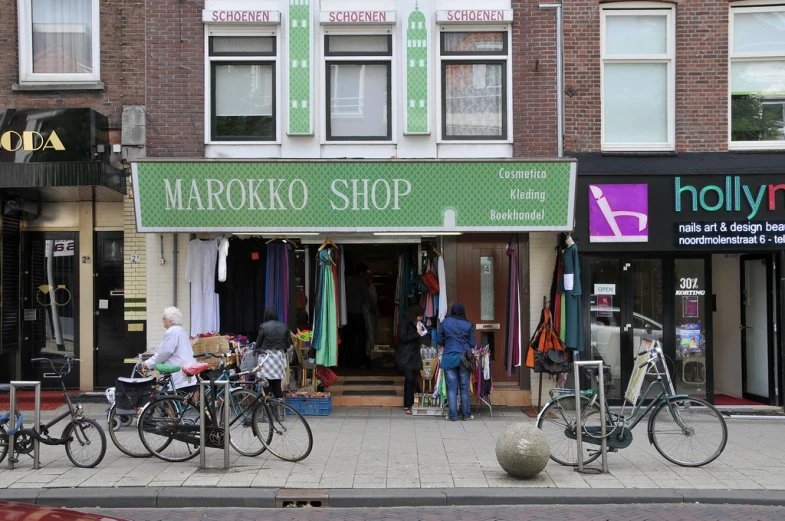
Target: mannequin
point(568, 241)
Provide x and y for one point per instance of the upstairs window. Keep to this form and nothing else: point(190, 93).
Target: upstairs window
point(757, 77)
point(58, 41)
point(242, 88)
point(638, 79)
point(474, 85)
point(359, 99)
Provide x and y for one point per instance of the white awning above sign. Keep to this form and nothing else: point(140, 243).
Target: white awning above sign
point(241, 17)
point(474, 16)
point(357, 17)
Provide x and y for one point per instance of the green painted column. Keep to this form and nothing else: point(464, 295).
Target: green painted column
point(300, 43)
point(417, 72)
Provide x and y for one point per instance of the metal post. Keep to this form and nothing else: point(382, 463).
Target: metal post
point(578, 426)
point(14, 419)
point(227, 419)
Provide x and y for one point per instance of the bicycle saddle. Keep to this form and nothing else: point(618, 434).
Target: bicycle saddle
point(5, 388)
point(194, 368)
point(593, 369)
point(166, 368)
point(126, 380)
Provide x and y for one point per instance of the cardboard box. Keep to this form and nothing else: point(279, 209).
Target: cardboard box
point(212, 344)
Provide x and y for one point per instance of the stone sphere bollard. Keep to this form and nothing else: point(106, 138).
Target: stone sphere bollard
point(522, 450)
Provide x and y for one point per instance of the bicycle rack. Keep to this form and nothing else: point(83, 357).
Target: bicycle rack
point(578, 412)
point(14, 419)
point(213, 385)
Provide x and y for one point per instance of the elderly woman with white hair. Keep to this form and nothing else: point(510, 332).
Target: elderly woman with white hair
point(175, 348)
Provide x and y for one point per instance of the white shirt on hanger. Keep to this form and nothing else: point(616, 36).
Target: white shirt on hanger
point(200, 272)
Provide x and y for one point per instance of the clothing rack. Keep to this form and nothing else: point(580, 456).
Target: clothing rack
point(477, 397)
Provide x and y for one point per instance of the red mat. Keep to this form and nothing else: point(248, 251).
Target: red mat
point(25, 399)
point(726, 399)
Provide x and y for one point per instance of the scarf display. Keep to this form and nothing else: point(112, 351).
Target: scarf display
point(512, 343)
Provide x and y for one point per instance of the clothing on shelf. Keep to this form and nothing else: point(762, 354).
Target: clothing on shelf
point(200, 269)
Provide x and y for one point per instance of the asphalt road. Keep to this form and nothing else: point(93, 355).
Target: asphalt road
point(670, 512)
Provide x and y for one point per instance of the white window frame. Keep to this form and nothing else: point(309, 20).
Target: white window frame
point(363, 30)
point(508, 101)
point(749, 7)
point(669, 58)
point(215, 30)
point(25, 30)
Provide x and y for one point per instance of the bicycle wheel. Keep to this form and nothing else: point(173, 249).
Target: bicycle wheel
point(87, 446)
point(3, 443)
point(125, 435)
point(557, 419)
point(690, 433)
point(242, 436)
point(286, 433)
point(165, 423)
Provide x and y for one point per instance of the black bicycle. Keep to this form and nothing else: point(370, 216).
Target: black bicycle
point(84, 439)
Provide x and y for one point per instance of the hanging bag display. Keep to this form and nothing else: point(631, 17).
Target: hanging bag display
point(430, 282)
point(546, 350)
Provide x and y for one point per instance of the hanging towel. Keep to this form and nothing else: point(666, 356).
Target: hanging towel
point(223, 252)
point(442, 289)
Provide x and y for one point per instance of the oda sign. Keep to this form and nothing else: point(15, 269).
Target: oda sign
point(29, 140)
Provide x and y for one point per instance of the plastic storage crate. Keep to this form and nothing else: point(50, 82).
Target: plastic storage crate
point(311, 406)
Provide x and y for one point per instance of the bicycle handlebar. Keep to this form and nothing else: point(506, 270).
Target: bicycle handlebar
point(63, 370)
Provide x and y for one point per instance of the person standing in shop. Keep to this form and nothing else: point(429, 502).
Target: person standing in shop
point(456, 334)
point(271, 345)
point(355, 336)
point(408, 353)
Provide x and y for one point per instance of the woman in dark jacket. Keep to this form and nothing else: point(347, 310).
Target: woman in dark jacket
point(408, 355)
point(272, 343)
point(456, 334)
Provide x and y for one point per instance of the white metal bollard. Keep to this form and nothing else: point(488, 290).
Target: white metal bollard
point(578, 412)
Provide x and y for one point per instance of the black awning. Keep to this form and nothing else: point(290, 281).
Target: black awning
point(62, 175)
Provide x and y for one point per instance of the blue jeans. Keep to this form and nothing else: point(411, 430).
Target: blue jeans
point(458, 377)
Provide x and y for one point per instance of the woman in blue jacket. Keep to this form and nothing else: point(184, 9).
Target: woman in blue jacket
point(456, 334)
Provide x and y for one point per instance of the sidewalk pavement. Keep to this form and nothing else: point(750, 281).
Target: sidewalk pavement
point(382, 457)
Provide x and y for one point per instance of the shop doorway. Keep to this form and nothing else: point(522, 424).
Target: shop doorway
point(757, 331)
point(51, 303)
point(111, 346)
point(625, 305)
point(373, 299)
point(482, 287)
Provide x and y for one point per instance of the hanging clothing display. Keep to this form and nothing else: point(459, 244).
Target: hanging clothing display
point(200, 269)
point(242, 294)
point(326, 314)
point(512, 344)
point(223, 252)
point(277, 279)
point(483, 384)
point(442, 288)
point(570, 284)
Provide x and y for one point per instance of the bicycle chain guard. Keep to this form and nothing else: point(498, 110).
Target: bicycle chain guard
point(593, 435)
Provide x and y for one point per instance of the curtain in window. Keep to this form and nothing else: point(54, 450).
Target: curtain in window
point(473, 99)
point(636, 93)
point(62, 36)
point(243, 90)
point(358, 99)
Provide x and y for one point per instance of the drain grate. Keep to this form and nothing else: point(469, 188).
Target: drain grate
point(301, 498)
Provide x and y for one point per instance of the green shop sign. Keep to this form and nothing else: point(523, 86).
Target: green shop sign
point(359, 195)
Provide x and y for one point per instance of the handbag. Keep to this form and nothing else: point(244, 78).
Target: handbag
point(249, 360)
point(431, 282)
point(468, 360)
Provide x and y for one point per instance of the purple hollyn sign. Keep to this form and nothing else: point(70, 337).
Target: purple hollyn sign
point(619, 213)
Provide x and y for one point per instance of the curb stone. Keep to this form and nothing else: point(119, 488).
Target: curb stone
point(176, 497)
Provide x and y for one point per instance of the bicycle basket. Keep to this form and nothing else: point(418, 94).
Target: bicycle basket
point(132, 393)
